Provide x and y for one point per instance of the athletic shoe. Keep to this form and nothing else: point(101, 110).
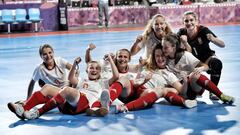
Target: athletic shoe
point(227, 99)
point(107, 25)
point(121, 109)
point(92, 111)
point(190, 103)
point(213, 96)
point(104, 109)
point(105, 99)
point(30, 115)
point(99, 112)
point(20, 102)
point(100, 26)
point(17, 109)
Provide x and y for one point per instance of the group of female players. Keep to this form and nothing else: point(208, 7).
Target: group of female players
point(171, 67)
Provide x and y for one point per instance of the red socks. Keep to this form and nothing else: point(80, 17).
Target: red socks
point(115, 90)
point(142, 102)
point(36, 99)
point(210, 86)
point(174, 99)
point(51, 104)
point(96, 104)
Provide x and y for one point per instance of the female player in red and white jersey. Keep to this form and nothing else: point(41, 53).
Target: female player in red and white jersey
point(185, 66)
point(105, 65)
point(70, 100)
point(124, 88)
point(161, 83)
point(51, 71)
point(155, 30)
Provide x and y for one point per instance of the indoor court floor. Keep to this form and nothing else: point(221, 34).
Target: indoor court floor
point(19, 56)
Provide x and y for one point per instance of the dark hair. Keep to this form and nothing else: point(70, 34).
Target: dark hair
point(191, 13)
point(43, 47)
point(151, 62)
point(175, 41)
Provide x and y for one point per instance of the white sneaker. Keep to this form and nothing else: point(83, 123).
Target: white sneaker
point(105, 101)
point(121, 109)
point(100, 26)
point(30, 115)
point(104, 109)
point(190, 103)
point(17, 109)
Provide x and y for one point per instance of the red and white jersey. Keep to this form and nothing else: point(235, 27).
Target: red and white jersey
point(131, 73)
point(92, 88)
point(185, 65)
point(56, 76)
point(149, 45)
point(160, 78)
point(128, 75)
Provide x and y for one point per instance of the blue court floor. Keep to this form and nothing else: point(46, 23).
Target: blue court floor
point(19, 56)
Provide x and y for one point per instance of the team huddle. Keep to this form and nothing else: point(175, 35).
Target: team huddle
point(171, 68)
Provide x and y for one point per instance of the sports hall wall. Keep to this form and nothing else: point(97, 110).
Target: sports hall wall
point(132, 15)
point(122, 16)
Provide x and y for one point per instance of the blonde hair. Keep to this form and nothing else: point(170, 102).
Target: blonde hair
point(149, 26)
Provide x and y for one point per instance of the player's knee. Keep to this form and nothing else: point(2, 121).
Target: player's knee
point(66, 91)
point(215, 65)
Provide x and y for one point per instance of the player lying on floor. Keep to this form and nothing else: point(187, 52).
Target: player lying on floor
point(69, 100)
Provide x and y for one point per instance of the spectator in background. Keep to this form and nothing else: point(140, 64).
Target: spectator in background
point(185, 2)
point(103, 9)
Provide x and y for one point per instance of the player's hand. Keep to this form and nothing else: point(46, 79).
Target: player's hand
point(142, 61)
point(139, 38)
point(91, 46)
point(77, 60)
point(183, 39)
point(210, 37)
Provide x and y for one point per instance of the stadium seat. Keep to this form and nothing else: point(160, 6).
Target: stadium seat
point(7, 18)
point(1, 23)
point(21, 15)
point(34, 16)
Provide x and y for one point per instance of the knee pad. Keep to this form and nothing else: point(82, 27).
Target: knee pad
point(215, 65)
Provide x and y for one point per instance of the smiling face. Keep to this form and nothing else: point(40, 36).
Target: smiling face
point(160, 59)
point(190, 21)
point(159, 26)
point(122, 58)
point(93, 70)
point(47, 55)
point(169, 49)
